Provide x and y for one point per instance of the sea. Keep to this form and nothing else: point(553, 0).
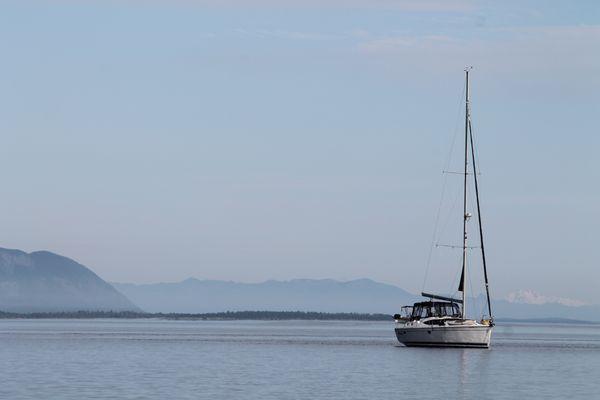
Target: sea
point(164, 359)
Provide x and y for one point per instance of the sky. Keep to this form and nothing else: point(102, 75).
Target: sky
point(252, 140)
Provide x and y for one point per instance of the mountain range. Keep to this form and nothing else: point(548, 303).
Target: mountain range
point(43, 281)
point(325, 295)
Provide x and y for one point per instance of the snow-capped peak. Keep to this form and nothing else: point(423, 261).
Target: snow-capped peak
point(528, 296)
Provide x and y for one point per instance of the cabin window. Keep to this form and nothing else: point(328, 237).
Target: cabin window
point(406, 312)
point(451, 310)
point(447, 310)
point(435, 309)
point(418, 312)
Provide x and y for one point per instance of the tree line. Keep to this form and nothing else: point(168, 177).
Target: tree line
point(223, 316)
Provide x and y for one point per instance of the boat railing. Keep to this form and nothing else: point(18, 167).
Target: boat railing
point(405, 314)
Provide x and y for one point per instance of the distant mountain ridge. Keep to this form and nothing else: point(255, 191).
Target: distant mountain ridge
point(42, 281)
point(319, 295)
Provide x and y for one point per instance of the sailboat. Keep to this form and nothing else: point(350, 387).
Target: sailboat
point(441, 321)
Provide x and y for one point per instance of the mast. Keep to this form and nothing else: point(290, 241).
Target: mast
point(463, 287)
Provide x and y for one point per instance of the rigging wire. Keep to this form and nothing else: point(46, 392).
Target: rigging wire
point(450, 215)
point(475, 156)
point(476, 167)
point(476, 149)
point(445, 180)
point(476, 170)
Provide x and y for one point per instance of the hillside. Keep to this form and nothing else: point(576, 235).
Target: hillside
point(42, 281)
point(46, 282)
point(322, 295)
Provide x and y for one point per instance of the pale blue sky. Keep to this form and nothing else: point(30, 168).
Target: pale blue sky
point(250, 140)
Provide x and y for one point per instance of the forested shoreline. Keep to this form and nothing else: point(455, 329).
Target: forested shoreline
point(229, 315)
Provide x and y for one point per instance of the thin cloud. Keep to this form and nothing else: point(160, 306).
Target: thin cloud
point(427, 6)
point(529, 49)
point(284, 34)
point(399, 44)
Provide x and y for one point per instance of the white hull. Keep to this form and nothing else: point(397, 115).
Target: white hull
point(472, 335)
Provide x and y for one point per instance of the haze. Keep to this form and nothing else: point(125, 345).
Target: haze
point(154, 141)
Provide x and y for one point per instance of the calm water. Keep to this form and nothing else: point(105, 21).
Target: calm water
point(151, 359)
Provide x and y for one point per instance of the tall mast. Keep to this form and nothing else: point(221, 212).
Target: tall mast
point(463, 287)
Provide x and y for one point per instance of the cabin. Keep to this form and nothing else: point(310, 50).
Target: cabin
point(429, 309)
point(439, 309)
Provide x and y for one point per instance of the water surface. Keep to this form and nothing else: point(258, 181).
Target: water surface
point(158, 359)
